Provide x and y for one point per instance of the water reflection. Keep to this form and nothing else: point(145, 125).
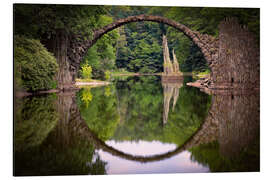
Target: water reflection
point(177, 164)
point(61, 148)
point(35, 117)
point(141, 105)
point(121, 130)
point(235, 125)
point(170, 90)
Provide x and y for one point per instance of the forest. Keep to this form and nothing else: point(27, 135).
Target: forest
point(135, 47)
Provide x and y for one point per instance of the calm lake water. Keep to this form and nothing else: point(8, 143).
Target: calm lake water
point(136, 125)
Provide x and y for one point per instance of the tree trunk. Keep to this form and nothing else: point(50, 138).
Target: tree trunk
point(64, 76)
point(58, 45)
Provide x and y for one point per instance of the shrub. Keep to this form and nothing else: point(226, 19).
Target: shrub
point(107, 75)
point(35, 68)
point(86, 71)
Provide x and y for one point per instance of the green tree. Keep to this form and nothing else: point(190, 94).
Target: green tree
point(101, 115)
point(35, 67)
point(102, 55)
point(86, 71)
point(37, 20)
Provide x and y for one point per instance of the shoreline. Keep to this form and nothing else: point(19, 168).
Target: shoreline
point(136, 74)
point(72, 87)
point(151, 74)
point(80, 84)
point(92, 84)
point(206, 85)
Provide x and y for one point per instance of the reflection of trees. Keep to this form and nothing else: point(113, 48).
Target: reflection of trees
point(35, 117)
point(140, 100)
point(101, 116)
point(86, 96)
point(108, 91)
point(237, 145)
point(141, 106)
point(75, 158)
point(190, 112)
point(64, 151)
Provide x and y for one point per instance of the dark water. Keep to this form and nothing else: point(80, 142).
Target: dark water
point(136, 125)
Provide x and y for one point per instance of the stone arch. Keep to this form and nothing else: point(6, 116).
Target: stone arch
point(202, 135)
point(207, 43)
point(204, 42)
point(234, 53)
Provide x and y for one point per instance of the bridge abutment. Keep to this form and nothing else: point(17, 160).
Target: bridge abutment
point(238, 62)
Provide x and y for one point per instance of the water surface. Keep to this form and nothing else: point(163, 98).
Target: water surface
point(136, 125)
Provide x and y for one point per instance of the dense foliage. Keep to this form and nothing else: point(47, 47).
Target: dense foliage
point(102, 55)
point(141, 109)
point(35, 67)
point(46, 145)
point(35, 117)
point(44, 20)
point(144, 48)
point(210, 155)
point(203, 19)
point(139, 44)
point(99, 111)
point(59, 156)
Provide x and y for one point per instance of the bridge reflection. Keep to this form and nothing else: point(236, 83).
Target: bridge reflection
point(233, 120)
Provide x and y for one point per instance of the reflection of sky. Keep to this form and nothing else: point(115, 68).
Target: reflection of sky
point(176, 164)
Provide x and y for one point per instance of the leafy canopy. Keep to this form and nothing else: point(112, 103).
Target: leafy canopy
point(35, 67)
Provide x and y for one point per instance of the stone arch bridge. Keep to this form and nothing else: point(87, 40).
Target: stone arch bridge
point(233, 56)
point(78, 48)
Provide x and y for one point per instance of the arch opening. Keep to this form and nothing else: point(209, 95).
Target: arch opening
point(206, 43)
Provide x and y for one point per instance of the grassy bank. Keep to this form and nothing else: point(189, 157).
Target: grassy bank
point(201, 74)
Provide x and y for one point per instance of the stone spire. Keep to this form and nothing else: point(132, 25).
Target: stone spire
point(170, 90)
point(175, 64)
point(167, 65)
point(175, 96)
point(167, 96)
